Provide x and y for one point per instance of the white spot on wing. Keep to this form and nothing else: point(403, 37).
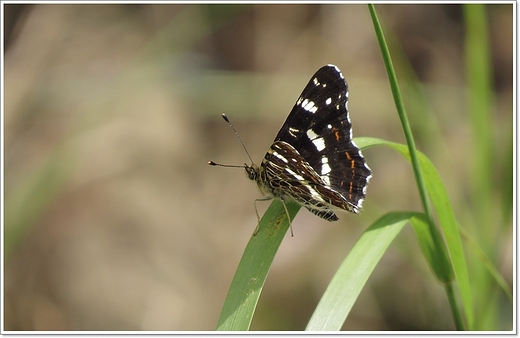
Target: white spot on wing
point(295, 175)
point(325, 168)
point(292, 131)
point(311, 134)
point(309, 106)
point(319, 143)
point(281, 157)
point(314, 193)
point(328, 101)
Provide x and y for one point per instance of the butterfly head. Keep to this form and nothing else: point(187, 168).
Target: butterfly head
point(252, 171)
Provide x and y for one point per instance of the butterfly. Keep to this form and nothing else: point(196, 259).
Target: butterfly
point(313, 159)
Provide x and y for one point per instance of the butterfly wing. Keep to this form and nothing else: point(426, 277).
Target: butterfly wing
point(319, 129)
point(285, 173)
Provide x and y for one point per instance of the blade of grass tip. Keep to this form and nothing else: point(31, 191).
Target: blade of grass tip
point(352, 275)
point(244, 292)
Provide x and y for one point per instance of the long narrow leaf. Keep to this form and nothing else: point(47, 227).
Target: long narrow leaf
point(479, 79)
point(416, 166)
point(351, 277)
point(446, 217)
point(486, 262)
point(242, 298)
point(437, 262)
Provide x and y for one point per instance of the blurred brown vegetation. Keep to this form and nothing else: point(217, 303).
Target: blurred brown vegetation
point(113, 219)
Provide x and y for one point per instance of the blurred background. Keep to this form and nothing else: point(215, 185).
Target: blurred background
point(114, 220)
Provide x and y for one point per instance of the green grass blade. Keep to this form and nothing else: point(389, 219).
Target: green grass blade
point(486, 263)
point(483, 162)
point(479, 80)
point(242, 298)
point(349, 280)
point(447, 221)
point(399, 104)
point(455, 247)
point(438, 261)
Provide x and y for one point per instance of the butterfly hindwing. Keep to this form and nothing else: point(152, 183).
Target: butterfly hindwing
point(285, 173)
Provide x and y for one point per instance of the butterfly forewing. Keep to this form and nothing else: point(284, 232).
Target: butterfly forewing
point(327, 169)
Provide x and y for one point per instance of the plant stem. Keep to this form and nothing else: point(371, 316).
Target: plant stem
point(439, 245)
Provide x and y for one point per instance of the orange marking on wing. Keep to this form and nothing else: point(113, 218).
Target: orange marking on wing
point(337, 135)
point(352, 162)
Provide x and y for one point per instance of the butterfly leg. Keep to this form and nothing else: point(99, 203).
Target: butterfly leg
point(288, 217)
point(267, 198)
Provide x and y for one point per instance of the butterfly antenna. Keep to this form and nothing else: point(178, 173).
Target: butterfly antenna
point(238, 136)
point(225, 165)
